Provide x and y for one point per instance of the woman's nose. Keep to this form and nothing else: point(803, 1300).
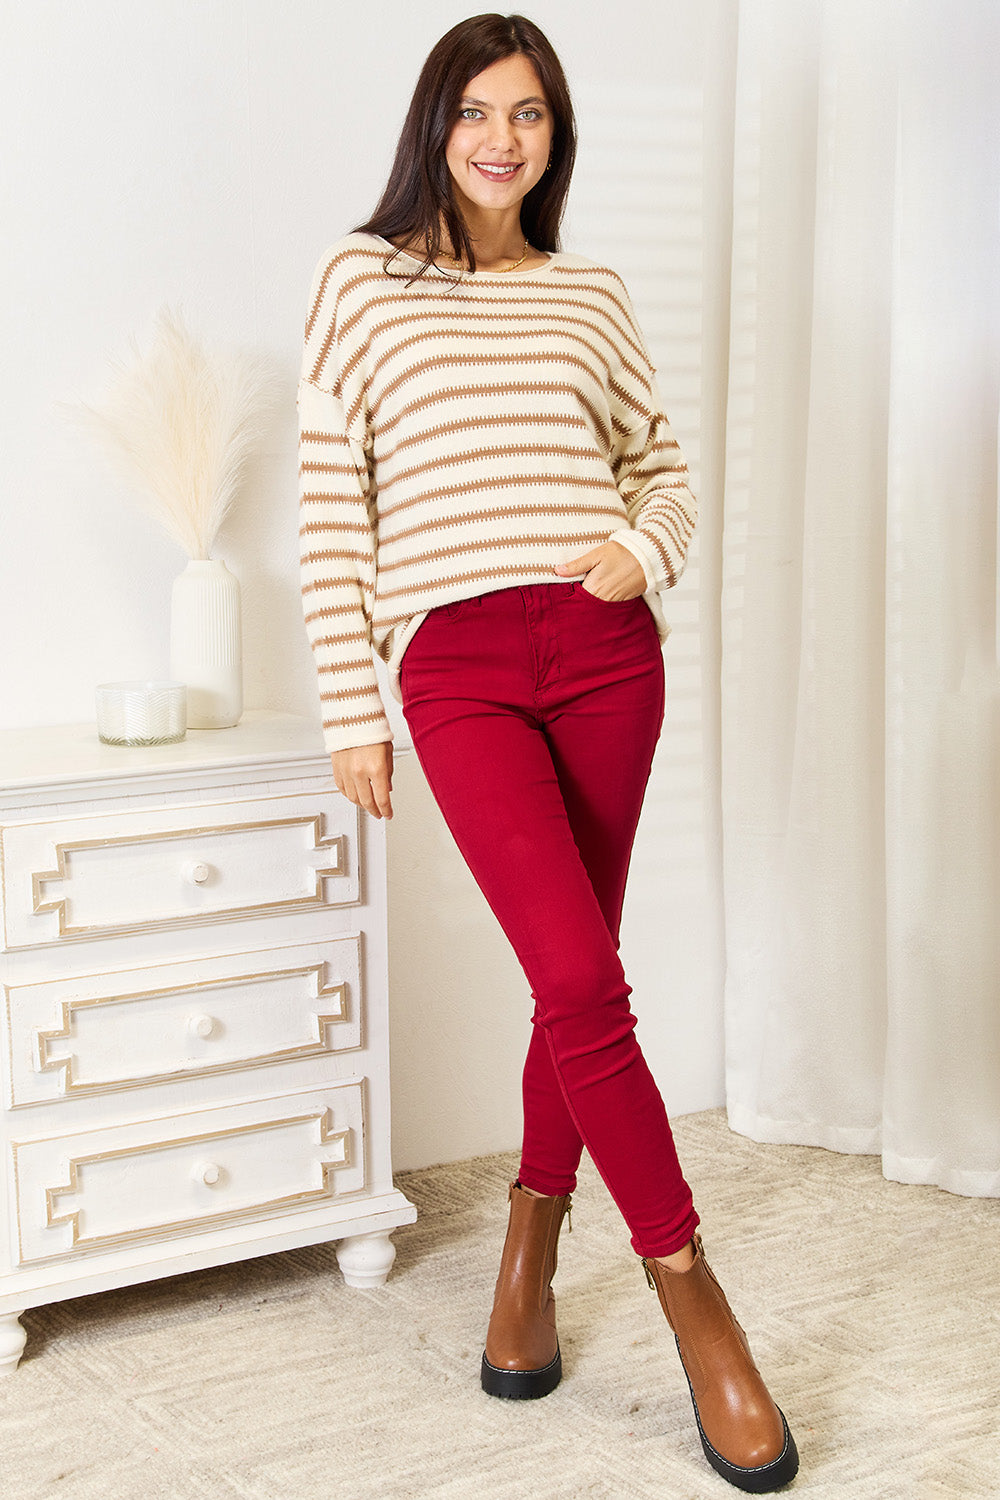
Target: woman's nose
point(501, 136)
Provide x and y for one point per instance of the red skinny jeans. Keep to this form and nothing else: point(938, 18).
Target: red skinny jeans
point(534, 713)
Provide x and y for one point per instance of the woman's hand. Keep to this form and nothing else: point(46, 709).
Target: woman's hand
point(612, 572)
point(364, 775)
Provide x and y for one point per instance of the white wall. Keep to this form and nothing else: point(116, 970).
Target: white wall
point(205, 155)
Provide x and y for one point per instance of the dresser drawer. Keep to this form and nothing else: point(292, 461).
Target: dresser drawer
point(101, 1033)
point(156, 1179)
point(168, 867)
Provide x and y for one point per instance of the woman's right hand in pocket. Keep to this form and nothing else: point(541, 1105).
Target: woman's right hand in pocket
point(364, 775)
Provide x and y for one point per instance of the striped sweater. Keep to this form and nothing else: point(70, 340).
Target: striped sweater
point(461, 437)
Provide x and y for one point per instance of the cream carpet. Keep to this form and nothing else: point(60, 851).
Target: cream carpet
point(873, 1310)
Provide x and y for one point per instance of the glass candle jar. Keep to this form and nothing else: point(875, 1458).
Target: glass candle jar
point(141, 713)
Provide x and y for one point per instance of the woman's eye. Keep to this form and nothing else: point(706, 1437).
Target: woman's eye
point(530, 114)
point(469, 114)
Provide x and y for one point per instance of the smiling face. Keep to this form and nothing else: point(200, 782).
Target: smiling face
point(499, 147)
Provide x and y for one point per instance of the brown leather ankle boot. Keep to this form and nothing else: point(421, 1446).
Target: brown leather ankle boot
point(744, 1435)
point(522, 1358)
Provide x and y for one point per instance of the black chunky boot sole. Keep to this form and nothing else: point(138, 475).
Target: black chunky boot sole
point(521, 1385)
point(759, 1481)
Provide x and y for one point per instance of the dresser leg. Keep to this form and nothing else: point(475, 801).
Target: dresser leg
point(366, 1259)
point(12, 1340)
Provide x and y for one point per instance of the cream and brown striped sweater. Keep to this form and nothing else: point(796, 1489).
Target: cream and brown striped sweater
point(460, 437)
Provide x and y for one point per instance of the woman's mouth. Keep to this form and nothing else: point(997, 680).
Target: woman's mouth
point(499, 172)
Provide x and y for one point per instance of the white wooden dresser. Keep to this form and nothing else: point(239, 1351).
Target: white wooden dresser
point(194, 1039)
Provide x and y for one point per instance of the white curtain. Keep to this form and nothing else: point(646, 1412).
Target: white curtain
point(860, 690)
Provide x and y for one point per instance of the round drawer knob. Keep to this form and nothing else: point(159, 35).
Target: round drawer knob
point(196, 872)
point(202, 1026)
point(208, 1172)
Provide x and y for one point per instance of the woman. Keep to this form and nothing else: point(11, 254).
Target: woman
point(492, 498)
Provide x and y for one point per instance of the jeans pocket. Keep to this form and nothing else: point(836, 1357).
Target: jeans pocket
point(579, 592)
point(457, 608)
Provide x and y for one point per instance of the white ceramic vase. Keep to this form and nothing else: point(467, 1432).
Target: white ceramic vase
point(205, 643)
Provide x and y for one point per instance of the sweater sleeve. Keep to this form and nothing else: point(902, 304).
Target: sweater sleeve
point(338, 542)
point(652, 479)
point(646, 460)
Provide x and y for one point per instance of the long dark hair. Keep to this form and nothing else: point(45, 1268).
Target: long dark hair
point(419, 201)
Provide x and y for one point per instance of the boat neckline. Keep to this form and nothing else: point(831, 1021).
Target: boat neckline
point(553, 255)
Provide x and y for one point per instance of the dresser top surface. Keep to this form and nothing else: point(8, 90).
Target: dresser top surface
point(50, 756)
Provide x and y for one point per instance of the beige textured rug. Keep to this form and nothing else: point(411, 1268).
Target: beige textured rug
point(873, 1310)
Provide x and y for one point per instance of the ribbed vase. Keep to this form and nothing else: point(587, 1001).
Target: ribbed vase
point(206, 645)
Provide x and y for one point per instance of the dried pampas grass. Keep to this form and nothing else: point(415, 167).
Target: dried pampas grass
point(181, 426)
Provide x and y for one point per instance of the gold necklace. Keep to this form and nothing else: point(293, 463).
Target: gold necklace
point(503, 269)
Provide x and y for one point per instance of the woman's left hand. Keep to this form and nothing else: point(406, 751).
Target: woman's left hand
point(612, 572)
